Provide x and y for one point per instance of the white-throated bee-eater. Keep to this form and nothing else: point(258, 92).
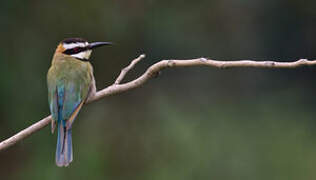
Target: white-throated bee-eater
point(70, 83)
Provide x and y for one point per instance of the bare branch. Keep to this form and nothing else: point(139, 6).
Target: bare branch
point(117, 88)
point(25, 133)
point(125, 70)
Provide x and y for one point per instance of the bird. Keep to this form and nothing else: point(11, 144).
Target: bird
point(70, 83)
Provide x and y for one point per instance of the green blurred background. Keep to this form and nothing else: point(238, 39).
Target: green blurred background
point(189, 123)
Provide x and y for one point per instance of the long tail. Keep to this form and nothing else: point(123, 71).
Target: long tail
point(64, 146)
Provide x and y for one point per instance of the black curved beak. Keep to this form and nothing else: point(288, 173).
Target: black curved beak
point(98, 44)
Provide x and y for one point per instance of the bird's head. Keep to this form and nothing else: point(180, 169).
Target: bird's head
point(78, 48)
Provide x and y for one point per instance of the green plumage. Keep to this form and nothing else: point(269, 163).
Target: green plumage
point(74, 76)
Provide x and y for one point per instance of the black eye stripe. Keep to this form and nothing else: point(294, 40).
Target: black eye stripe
point(75, 50)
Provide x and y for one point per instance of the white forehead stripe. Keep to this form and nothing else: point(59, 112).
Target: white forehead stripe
point(73, 45)
point(83, 55)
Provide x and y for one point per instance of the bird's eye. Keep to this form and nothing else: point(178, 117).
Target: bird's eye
point(74, 50)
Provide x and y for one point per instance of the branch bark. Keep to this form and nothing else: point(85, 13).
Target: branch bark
point(152, 71)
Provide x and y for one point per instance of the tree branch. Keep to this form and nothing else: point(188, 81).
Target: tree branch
point(152, 71)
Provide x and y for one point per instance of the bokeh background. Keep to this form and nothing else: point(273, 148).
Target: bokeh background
point(189, 123)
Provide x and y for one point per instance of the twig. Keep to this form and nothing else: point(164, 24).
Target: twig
point(125, 70)
point(117, 88)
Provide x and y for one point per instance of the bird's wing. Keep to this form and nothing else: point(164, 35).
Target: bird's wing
point(74, 98)
point(70, 92)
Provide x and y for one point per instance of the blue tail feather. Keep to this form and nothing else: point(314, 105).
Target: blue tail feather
point(69, 145)
point(64, 146)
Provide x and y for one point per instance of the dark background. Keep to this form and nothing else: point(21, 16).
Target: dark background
point(189, 123)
